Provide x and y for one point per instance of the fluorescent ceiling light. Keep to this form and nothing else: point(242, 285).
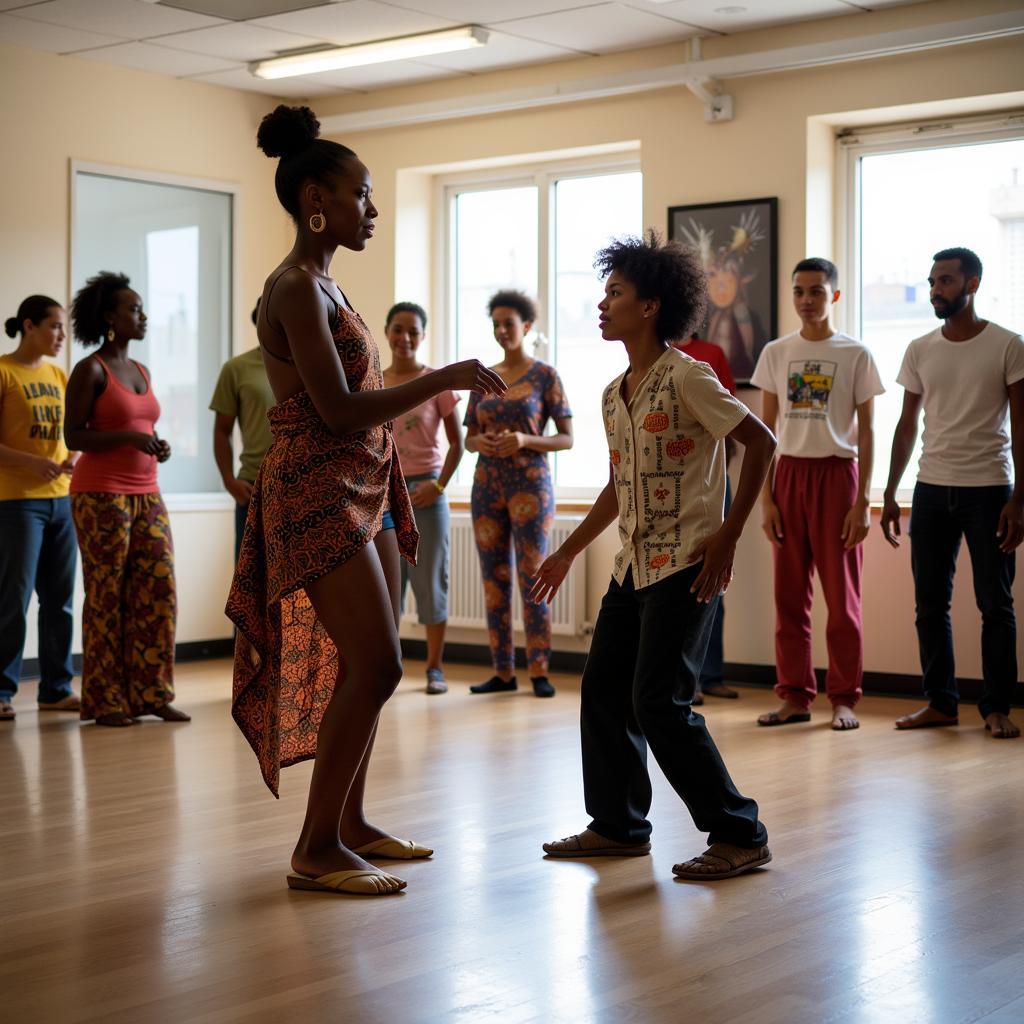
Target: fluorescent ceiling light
point(380, 52)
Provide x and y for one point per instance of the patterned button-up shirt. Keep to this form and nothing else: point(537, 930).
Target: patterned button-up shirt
point(668, 457)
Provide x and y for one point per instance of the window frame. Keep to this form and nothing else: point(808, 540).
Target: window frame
point(852, 145)
point(183, 501)
point(545, 177)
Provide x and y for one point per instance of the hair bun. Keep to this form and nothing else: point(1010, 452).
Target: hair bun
point(286, 131)
point(11, 327)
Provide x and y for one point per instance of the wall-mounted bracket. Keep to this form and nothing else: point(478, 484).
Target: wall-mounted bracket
point(718, 106)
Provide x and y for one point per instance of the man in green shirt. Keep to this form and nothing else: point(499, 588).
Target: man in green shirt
point(243, 394)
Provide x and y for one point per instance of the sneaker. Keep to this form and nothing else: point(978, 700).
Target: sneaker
point(435, 681)
point(495, 685)
point(542, 686)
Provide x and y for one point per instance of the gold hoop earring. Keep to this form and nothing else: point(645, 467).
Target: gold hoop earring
point(111, 335)
point(317, 222)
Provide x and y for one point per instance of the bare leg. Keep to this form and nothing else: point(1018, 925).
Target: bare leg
point(435, 644)
point(355, 605)
point(354, 829)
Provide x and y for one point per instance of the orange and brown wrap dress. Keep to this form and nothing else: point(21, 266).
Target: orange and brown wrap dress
point(317, 500)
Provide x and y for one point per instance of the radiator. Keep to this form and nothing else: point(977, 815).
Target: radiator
point(466, 593)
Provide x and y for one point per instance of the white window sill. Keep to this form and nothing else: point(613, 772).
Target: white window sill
point(205, 501)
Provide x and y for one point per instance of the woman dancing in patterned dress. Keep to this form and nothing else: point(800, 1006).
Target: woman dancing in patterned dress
point(318, 572)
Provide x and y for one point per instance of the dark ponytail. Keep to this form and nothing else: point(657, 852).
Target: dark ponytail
point(35, 308)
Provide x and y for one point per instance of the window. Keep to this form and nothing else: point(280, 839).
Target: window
point(540, 234)
point(175, 243)
point(913, 193)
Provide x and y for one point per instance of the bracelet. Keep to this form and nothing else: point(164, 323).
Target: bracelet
point(438, 485)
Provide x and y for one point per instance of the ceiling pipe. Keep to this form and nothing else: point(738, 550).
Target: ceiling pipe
point(699, 76)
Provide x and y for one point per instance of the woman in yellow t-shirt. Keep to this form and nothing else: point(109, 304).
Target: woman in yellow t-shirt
point(37, 537)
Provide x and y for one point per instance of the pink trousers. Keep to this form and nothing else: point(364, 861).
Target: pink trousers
point(813, 497)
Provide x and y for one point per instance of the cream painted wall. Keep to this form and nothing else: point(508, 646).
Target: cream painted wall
point(58, 109)
point(766, 151)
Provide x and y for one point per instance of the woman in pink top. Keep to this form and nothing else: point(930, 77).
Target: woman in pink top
point(124, 532)
point(426, 474)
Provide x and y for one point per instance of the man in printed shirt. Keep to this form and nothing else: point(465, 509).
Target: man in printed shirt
point(666, 420)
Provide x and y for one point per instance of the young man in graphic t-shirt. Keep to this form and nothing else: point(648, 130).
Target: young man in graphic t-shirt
point(819, 386)
point(967, 374)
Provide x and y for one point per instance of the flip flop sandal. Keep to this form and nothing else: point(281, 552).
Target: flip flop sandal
point(728, 861)
point(7, 712)
point(394, 849)
point(347, 883)
point(774, 719)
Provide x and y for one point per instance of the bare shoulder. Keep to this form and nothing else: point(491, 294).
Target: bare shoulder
point(87, 371)
point(291, 283)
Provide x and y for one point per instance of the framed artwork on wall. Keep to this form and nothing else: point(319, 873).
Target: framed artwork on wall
point(738, 245)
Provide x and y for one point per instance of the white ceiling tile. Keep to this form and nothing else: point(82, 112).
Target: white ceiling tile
point(158, 59)
point(381, 76)
point(242, 10)
point(501, 51)
point(872, 5)
point(39, 36)
point(483, 12)
point(355, 21)
point(754, 14)
point(290, 88)
point(599, 29)
point(237, 41)
point(129, 19)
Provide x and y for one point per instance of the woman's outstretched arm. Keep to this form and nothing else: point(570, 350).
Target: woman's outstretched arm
point(302, 315)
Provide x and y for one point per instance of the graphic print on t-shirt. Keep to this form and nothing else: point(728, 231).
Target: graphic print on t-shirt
point(809, 386)
point(47, 404)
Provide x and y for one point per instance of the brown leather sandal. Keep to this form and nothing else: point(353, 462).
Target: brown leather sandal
point(722, 861)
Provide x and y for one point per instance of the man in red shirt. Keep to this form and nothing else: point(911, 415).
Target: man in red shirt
point(711, 681)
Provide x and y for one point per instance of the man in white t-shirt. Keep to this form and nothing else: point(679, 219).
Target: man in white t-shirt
point(819, 386)
point(967, 374)
point(666, 420)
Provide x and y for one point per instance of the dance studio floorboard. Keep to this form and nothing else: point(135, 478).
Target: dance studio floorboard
point(143, 876)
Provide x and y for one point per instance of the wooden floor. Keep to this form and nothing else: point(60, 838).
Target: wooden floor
point(143, 876)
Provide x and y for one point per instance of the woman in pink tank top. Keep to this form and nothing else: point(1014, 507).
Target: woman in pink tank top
point(124, 532)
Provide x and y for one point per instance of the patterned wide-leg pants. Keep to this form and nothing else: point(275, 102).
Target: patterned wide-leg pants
point(130, 608)
point(513, 506)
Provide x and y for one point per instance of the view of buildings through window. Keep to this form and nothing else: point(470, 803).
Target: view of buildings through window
point(584, 214)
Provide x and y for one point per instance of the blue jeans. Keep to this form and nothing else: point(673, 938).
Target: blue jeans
point(429, 576)
point(38, 551)
point(713, 672)
point(939, 518)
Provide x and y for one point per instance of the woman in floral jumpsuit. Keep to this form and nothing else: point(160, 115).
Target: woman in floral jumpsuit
point(513, 501)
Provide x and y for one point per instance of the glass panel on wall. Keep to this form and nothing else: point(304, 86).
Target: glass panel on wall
point(589, 212)
point(914, 203)
point(174, 242)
